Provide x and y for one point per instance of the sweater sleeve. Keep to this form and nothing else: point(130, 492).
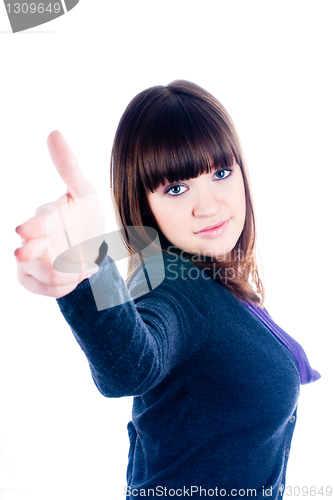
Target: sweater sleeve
point(132, 346)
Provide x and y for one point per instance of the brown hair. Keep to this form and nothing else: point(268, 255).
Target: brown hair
point(173, 133)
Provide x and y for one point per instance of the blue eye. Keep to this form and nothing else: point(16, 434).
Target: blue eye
point(175, 190)
point(225, 171)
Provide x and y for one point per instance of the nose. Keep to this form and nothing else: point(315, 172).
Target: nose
point(206, 203)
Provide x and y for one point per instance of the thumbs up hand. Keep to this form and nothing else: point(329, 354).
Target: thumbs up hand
point(56, 227)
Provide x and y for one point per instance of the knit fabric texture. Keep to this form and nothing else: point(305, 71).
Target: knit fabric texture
point(215, 393)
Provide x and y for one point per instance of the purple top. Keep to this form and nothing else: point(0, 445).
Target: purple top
point(306, 372)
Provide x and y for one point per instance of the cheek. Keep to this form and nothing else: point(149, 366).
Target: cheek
point(240, 198)
point(170, 220)
point(162, 209)
point(159, 212)
point(243, 204)
point(153, 205)
point(236, 202)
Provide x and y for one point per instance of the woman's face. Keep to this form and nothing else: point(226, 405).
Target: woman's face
point(205, 215)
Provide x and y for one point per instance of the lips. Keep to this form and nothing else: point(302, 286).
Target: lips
point(212, 226)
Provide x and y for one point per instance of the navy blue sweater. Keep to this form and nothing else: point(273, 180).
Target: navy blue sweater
point(215, 393)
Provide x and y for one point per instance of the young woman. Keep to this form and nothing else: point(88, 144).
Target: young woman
point(215, 381)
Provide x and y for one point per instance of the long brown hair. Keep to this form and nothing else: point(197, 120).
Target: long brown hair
point(173, 133)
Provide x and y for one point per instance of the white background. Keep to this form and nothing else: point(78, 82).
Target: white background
point(271, 65)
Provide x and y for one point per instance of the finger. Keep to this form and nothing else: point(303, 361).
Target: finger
point(37, 250)
point(31, 249)
point(43, 272)
point(67, 166)
point(28, 229)
point(35, 227)
point(33, 285)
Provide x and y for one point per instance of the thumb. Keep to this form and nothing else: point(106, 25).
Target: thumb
point(67, 166)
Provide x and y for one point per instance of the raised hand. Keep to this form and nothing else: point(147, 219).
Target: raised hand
point(75, 217)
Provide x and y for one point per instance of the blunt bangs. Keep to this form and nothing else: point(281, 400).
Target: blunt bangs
point(184, 139)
